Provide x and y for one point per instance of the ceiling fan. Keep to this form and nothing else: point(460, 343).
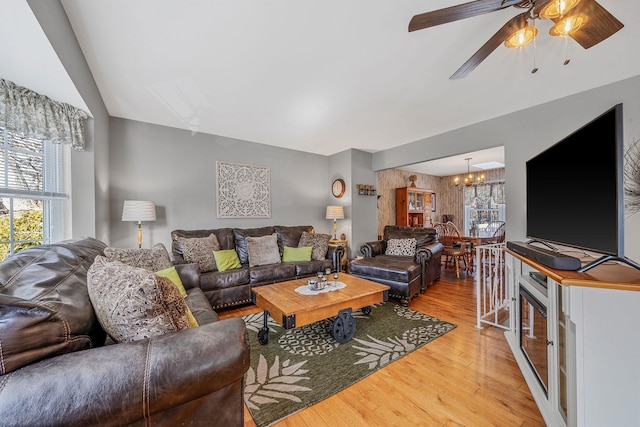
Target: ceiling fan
point(585, 21)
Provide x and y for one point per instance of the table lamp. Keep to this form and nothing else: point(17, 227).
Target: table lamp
point(139, 210)
point(334, 213)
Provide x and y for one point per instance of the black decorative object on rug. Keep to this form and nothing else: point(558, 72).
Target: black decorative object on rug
point(302, 366)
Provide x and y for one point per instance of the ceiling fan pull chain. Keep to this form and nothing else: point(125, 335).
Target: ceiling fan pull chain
point(566, 50)
point(535, 67)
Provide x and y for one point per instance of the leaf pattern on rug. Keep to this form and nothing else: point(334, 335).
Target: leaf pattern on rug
point(358, 314)
point(254, 322)
point(377, 353)
point(407, 313)
point(267, 384)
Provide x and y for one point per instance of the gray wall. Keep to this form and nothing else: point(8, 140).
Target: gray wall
point(89, 168)
point(340, 167)
point(524, 134)
point(176, 169)
point(364, 210)
point(361, 218)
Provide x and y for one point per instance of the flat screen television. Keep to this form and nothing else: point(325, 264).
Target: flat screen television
point(575, 190)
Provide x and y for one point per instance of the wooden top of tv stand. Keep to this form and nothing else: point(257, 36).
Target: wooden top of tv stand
point(609, 275)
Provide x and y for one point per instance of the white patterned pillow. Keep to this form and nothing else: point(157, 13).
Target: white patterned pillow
point(132, 303)
point(404, 247)
point(200, 250)
point(154, 259)
point(319, 241)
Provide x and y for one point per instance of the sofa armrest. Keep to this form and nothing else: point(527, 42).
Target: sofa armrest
point(126, 383)
point(335, 254)
point(189, 275)
point(371, 249)
point(429, 251)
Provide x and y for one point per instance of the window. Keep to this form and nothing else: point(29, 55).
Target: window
point(32, 192)
point(478, 216)
point(483, 205)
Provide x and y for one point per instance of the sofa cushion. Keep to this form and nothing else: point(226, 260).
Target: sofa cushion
point(224, 236)
point(154, 259)
point(216, 280)
point(319, 241)
point(272, 273)
point(388, 267)
point(133, 303)
point(200, 250)
point(200, 307)
point(404, 247)
point(310, 268)
point(297, 254)
point(263, 250)
point(227, 259)
point(240, 235)
point(45, 309)
point(290, 235)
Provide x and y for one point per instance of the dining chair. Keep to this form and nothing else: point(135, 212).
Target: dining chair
point(499, 233)
point(455, 248)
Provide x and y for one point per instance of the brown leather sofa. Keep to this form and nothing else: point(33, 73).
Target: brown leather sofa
point(405, 275)
point(55, 369)
point(233, 287)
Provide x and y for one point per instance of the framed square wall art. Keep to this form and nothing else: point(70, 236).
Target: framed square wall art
point(242, 191)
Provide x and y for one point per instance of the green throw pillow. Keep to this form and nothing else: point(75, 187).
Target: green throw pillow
point(172, 274)
point(297, 254)
point(227, 259)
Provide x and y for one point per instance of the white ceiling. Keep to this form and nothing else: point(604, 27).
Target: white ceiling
point(491, 158)
point(326, 76)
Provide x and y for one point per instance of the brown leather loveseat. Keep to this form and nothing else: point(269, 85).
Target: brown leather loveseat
point(56, 371)
point(406, 275)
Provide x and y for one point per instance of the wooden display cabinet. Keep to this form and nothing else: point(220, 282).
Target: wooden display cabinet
point(413, 206)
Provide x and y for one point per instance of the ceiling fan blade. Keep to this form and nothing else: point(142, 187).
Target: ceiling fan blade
point(600, 26)
point(512, 25)
point(456, 13)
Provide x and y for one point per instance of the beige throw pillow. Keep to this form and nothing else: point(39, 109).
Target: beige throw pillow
point(133, 303)
point(263, 250)
point(200, 250)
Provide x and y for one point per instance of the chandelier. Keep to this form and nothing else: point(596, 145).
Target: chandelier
point(469, 178)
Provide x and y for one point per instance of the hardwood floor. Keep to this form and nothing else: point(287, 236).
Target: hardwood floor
point(468, 377)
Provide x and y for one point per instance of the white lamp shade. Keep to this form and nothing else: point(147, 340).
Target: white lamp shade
point(138, 210)
point(335, 212)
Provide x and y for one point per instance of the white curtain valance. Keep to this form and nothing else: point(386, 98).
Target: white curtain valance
point(483, 192)
point(32, 115)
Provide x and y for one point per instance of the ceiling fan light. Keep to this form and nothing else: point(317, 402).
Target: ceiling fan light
point(521, 38)
point(557, 8)
point(568, 25)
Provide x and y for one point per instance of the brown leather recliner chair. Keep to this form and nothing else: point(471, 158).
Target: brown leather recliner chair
point(405, 275)
point(56, 371)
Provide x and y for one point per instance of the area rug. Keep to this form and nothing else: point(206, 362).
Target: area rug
point(302, 366)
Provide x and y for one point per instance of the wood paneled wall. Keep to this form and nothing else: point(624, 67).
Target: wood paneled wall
point(449, 198)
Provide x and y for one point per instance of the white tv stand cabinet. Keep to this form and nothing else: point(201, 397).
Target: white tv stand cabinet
point(592, 345)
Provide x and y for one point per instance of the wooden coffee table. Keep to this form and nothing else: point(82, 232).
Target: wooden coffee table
point(292, 310)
